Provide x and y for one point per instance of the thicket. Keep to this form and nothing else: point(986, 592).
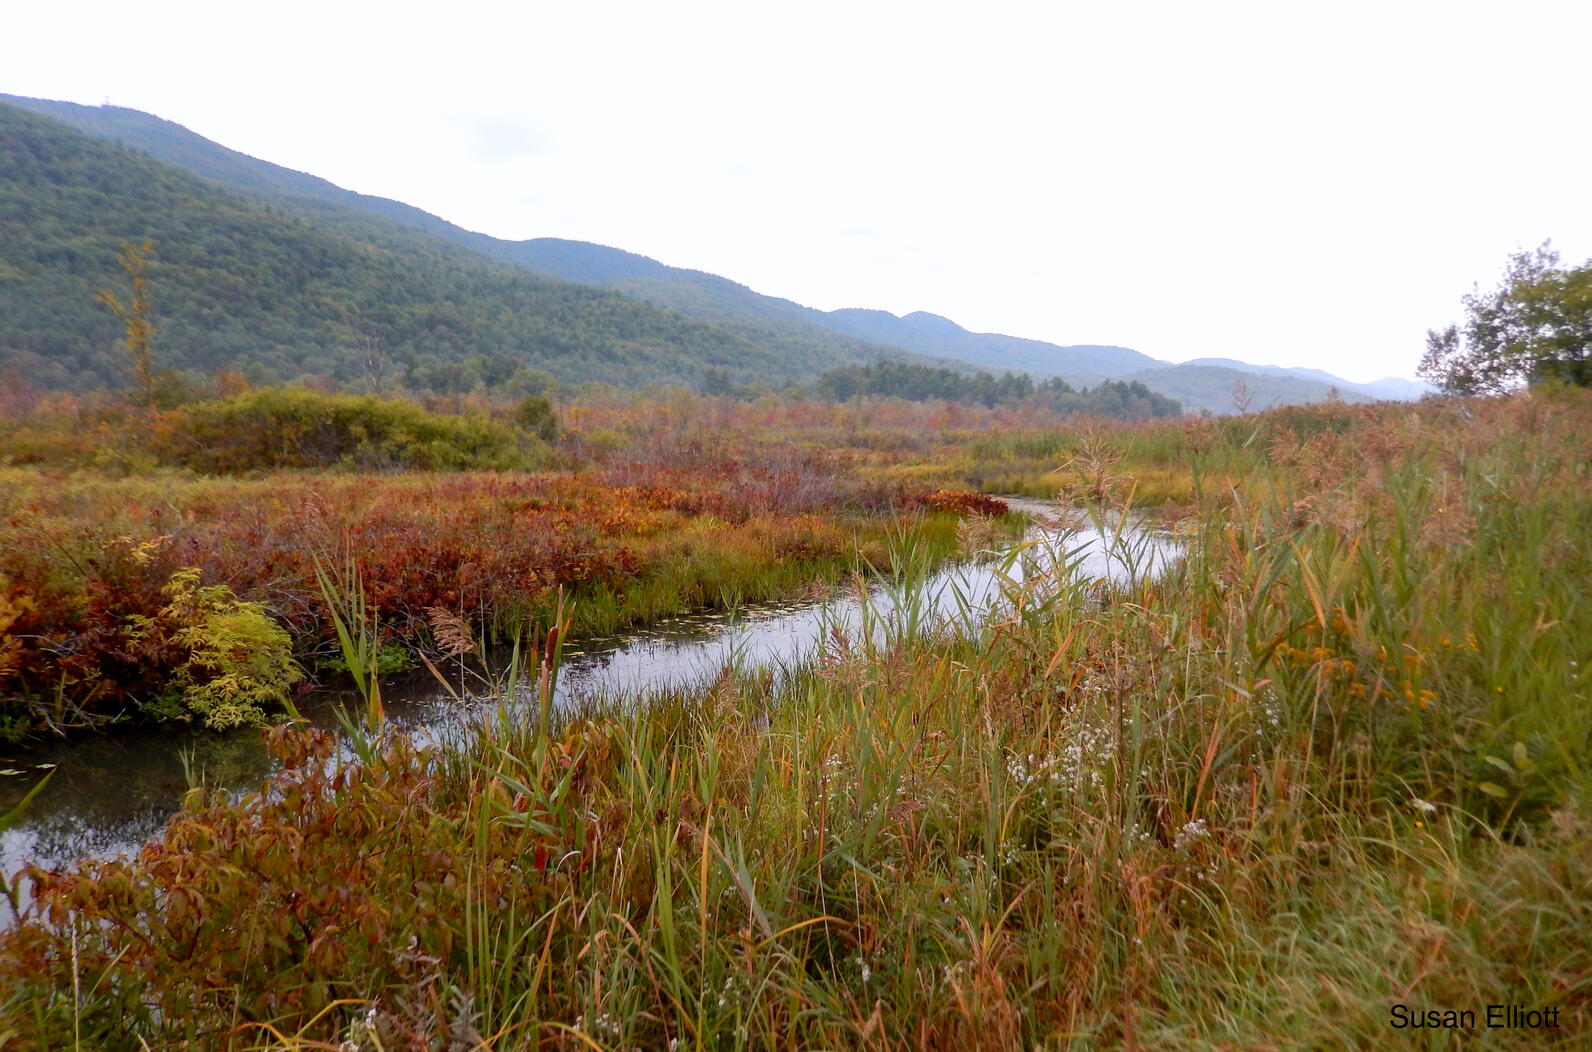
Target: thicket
point(534, 415)
point(280, 428)
point(231, 663)
point(277, 428)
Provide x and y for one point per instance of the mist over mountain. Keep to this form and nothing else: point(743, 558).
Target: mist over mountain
point(742, 333)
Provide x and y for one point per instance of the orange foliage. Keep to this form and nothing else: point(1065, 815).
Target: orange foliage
point(963, 502)
point(83, 557)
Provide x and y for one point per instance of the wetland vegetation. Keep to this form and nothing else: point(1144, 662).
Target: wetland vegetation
point(1331, 761)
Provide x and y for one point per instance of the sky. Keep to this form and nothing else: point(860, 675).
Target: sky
point(1283, 182)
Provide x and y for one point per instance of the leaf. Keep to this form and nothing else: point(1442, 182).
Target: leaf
point(9, 819)
point(1502, 765)
point(1493, 789)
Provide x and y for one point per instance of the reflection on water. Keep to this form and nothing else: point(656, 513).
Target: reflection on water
point(111, 794)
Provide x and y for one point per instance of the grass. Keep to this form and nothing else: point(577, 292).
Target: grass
point(1333, 761)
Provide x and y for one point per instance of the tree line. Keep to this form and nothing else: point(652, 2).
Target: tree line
point(1129, 399)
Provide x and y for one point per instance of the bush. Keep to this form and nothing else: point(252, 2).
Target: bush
point(960, 502)
point(278, 427)
point(534, 415)
point(239, 662)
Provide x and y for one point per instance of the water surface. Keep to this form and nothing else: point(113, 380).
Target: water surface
point(110, 794)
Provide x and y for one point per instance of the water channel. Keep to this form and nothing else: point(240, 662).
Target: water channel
point(110, 794)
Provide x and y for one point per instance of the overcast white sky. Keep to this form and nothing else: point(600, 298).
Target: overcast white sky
point(1281, 182)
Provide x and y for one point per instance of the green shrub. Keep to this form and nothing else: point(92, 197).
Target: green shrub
point(278, 427)
point(239, 663)
point(534, 415)
point(391, 659)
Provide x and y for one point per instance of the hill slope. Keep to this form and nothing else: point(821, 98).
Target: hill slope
point(278, 293)
point(780, 327)
point(1217, 389)
point(796, 342)
point(1391, 388)
point(851, 334)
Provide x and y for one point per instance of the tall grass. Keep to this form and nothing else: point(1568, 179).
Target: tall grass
point(1332, 761)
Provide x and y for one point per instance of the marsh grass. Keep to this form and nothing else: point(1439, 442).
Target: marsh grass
point(1332, 760)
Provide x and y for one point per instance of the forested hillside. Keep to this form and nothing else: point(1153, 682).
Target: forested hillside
point(793, 329)
point(278, 293)
point(470, 310)
point(779, 327)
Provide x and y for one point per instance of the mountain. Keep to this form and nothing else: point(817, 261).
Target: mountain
point(1398, 389)
point(171, 143)
point(852, 334)
point(1390, 388)
point(754, 336)
point(780, 327)
point(931, 334)
point(1218, 389)
point(242, 282)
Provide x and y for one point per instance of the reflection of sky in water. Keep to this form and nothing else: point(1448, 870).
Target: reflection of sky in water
point(779, 638)
point(109, 795)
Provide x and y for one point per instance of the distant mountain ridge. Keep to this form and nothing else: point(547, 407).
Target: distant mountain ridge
point(931, 334)
point(783, 326)
point(243, 283)
point(702, 296)
point(1389, 387)
point(1222, 390)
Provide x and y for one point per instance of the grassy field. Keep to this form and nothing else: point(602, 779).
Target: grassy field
point(1333, 762)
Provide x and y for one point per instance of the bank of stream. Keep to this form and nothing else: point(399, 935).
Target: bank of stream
point(111, 794)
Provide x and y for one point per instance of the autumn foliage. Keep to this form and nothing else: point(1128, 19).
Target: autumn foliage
point(87, 560)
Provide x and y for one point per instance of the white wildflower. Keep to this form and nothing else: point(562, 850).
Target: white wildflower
point(1190, 833)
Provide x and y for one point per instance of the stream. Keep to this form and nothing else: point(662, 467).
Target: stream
point(110, 794)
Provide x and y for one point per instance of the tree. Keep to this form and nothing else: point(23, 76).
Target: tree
point(1536, 326)
point(535, 414)
point(716, 382)
point(135, 318)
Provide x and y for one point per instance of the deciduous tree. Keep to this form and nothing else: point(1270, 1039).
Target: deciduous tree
point(1536, 326)
point(136, 320)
